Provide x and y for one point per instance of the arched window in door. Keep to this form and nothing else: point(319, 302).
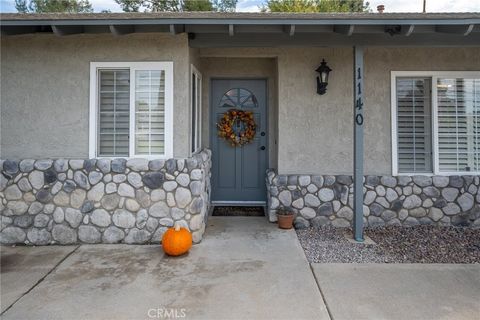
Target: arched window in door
point(239, 98)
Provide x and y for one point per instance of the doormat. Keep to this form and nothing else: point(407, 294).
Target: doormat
point(239, 211)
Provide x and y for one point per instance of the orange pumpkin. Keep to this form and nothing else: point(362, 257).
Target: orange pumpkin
point(176, 241)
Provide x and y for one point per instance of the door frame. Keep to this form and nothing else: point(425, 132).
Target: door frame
point(212, 134)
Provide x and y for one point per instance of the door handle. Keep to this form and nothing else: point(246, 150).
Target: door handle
point(262, 134)
point(262, 148)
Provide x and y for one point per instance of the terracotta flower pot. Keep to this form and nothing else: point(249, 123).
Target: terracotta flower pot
point(285, 221)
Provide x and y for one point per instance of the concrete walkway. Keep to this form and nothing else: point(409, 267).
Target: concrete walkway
point(245, 268)
point(400, 291)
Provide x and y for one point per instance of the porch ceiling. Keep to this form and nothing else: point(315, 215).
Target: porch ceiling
point(265, 29)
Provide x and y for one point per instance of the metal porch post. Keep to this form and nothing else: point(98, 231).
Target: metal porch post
point(358, 121)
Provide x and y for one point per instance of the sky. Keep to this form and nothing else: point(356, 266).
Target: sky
point(253, 5)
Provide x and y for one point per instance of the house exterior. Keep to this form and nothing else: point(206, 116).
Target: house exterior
point(109, 122)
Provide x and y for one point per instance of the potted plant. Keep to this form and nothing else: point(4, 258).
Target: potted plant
point(285, 218)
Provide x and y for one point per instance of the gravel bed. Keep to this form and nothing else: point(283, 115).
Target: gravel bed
point(420, 244)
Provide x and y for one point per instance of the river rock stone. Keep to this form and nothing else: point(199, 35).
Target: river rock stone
point(69, 186)
point(285, 198)
point(13, 193)
point(308, 213)
point(94, 177)
point(151, 224)
point(456, 181)
point(123, 218)
point(63, 234)
point(301, 223)
point(136, 236)
point(132, 205)
point(311, 201)
point(142, 217)
point(431, 192)
point(340, 223)
point(43, 164)
point(26, 165)
point(41, 220)
point(77, 197)
point(96, 192)
point(435, 214)
point(440, 181)
point(110, 201)
point(466, 201)
point(159, 210)
point(182, 197)
point(73, 216)
point(104, 165)
point(346, 213)
point(138, 164)
point(23, 221)
point(126, 190)
point(87, 206)
point(39, 237)
point(35, 207)
point(76, 164)
point(89, 234)
point(451, 209)
point(156, 165)
point(12, 235)
point(58, 215)
point(450, 194)
point(412, 201)
point(44, 196)
point(119, 165)
point(135, 179)
point(50, 176)
point(153, 180)
point(61, 199)
point(113, 235)
point(81, 179)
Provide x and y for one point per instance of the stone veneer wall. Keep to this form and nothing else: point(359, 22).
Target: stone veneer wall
point(323, 200)
point(101, 200)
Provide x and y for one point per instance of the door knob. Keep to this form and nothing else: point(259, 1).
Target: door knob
point(262, 148)
point(262, 134)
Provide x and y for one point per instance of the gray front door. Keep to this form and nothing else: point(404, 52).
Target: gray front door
point(238, 173)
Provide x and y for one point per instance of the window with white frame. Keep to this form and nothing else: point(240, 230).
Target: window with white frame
point(436, 122)
point(131, 109)
point(196, 110)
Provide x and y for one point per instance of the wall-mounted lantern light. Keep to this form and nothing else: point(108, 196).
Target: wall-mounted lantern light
point(322, 80)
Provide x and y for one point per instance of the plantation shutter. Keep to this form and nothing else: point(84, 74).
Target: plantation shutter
point(414, 125)
point(458, 124)
point(113, 108)
point(149, 112)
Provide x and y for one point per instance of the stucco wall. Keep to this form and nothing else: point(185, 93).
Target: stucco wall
point(241, 68)
point(45, 89)
point(379, 62)
point(315, 132)
point(44, 95)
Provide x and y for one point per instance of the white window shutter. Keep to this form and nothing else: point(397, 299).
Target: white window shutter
point(414, 125)
point(113, 113)
point(458, 124)
point(149, 112)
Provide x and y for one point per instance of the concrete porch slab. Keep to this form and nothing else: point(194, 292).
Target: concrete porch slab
point(400, 291)
point(246, 268)
point(22, 267)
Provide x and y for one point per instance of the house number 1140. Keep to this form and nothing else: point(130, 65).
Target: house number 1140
point(359, 101)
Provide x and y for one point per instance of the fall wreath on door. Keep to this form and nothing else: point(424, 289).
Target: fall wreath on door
point(237, 127)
